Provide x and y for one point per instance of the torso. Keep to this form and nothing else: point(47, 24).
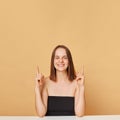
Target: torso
point(60, 97)
point(60, 88)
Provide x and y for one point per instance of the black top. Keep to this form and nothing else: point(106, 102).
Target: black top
point(60, 106)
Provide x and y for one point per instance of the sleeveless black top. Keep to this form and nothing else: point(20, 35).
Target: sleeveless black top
point(60, 106)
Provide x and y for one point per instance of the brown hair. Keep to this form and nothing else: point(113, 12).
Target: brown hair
point(70, 69)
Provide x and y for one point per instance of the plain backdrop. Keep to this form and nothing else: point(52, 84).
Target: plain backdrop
point(29, 31)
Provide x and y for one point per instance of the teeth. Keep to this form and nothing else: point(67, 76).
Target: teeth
point(60, 65)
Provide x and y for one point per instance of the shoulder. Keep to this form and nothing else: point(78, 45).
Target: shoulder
point(75, 84)
point(49, 84)
point(47, 81)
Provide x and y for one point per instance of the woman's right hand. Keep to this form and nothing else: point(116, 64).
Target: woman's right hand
point(39, 80)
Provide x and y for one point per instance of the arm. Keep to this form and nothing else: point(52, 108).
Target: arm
point(79, 94)
point(41, 101)
point(79, 101)
point(40, 94)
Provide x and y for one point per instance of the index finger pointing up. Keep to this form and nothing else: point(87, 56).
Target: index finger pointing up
point(38, 70)
point(82, 70)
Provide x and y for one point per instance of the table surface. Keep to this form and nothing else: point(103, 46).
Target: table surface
point(91, 117)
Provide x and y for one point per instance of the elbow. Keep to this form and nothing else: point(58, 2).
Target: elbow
point(41, 115)
point(80, 112)
point(79, 115)
point(41, 112)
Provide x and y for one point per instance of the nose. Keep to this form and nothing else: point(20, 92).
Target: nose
point(61, 60)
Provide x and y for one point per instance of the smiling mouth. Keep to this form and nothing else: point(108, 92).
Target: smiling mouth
point(61, 65)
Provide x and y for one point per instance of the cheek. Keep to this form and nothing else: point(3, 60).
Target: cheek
point(67, 62)
point(55, 61)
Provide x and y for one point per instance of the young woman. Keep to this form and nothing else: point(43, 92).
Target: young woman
point(62, 93)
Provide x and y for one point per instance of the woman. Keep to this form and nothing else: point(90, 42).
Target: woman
point(62, 93)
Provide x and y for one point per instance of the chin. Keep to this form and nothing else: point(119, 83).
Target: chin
point(61, 69)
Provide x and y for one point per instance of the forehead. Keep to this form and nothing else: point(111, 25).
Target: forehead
point(60, 51)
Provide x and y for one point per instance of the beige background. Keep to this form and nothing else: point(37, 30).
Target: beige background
point(30, 29)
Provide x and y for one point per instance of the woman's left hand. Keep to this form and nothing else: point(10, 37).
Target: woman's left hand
point(80, 77)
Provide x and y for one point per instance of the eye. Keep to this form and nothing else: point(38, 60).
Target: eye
point(56, 57)
point(65, 57)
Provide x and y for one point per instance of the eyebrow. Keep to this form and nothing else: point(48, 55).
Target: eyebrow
point(62, 56)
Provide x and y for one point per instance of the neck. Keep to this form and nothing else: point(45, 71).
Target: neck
point(61, 76)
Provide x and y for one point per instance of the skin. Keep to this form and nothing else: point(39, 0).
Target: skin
point(63, 87)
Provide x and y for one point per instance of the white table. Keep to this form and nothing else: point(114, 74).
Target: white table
point(95, 117)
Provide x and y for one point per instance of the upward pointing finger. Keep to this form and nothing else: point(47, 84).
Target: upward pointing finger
point(38, 73)
point(38, 70)
point(82, 70)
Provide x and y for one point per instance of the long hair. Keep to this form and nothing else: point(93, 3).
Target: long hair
point(70, 70)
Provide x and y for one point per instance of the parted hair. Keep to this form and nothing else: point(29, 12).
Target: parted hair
point(70, 70)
